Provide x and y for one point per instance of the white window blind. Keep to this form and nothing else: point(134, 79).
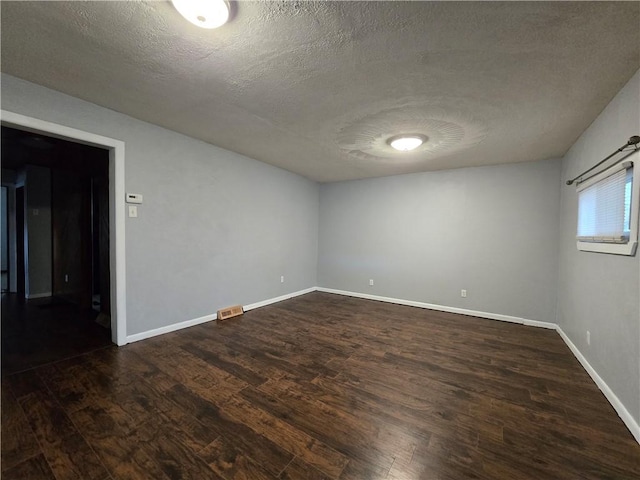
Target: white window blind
point(604, 207)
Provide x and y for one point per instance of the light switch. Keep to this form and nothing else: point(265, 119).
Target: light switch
point(133, 211)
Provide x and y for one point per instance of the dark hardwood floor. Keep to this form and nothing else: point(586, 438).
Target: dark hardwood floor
point(319, 387)
point(40, 331)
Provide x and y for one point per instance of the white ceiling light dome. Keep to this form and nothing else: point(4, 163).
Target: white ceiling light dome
point(203, 13)
point(406, 143)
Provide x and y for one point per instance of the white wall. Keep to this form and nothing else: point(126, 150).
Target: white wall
point(599, 292)
point(423, 237)
point(216, 228)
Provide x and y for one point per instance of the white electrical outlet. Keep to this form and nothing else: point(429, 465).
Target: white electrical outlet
point(463, 293)
point(281, 278)
point(588, 337)
point(371, 282)
point(133, 211)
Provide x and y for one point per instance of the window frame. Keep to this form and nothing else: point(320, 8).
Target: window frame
point(630, 247)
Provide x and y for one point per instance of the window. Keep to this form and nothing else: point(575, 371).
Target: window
point(608, 211)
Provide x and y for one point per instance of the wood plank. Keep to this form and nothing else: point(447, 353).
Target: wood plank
point(256, 447)
point(48, 421)
point(35, 468)
point(228, 461)
point(358, 469)
point(71, 458)
point(299, 470)
point(117, 444)
point(309, 449)
point(18, 440)
point(24, 383)
point(320, 387)
point(233, 368)
point(163, 441)
point(346, 436)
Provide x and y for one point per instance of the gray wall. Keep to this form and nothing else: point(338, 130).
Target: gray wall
point(38, 226)
point(216, 228)
point(599, 292)
point(423, 237)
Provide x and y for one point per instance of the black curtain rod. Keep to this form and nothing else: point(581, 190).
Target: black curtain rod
point(635, 140)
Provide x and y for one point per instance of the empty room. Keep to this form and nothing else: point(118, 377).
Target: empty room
point(316, 240)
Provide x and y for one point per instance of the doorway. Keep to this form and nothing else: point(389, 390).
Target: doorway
point(117, 249)
point(62, 240)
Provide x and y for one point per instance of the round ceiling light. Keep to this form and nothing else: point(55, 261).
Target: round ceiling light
point(203, 13)
point(406, 143)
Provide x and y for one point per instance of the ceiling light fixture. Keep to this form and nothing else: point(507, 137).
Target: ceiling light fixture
point(203, 13)
point(406, 143)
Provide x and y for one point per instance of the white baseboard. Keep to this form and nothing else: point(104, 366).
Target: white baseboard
point(269, 301)
point(170, 328)
point(443, 308)
point(31, 296)
point(207, 318)
point(615, 402)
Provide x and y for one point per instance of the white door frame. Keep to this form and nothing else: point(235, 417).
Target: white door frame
point(117, 246)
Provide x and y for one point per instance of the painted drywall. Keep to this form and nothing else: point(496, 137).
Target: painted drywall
point(492, 231)
point(216, 228)
point(38, 229)
point(599, 292)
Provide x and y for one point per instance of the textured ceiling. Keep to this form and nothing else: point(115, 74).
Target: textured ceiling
point(318, 87)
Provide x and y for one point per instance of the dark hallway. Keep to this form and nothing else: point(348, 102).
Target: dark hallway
point(45, 330)
point(56, 302)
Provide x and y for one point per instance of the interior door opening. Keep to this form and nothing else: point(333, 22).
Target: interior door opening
point(61, 303)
